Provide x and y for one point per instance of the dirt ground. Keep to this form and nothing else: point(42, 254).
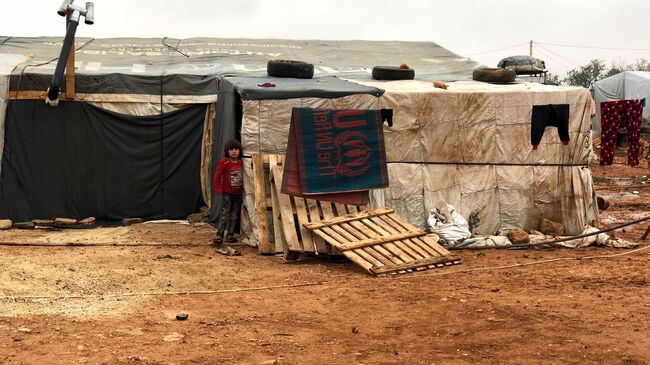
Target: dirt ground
point(115, 301)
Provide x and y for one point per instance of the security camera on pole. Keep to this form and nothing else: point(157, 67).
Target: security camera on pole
point(66, 58)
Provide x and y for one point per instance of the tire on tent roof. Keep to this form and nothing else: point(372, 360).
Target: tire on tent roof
point(392, 73)
point(493, 75)
point(290, 68)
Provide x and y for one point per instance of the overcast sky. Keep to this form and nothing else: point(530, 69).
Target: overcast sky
point(566, 33)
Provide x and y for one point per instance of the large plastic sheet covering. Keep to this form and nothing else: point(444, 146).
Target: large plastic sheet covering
point(469, 145)
point(191, 66)
point(7, 63)
point(625, 85)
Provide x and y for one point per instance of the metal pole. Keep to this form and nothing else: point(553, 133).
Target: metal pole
point(530, 50)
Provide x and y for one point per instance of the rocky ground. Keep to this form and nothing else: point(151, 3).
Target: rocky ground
point(115, 300)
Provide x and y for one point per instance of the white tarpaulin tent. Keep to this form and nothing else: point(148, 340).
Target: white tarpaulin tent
point(625, 85)
point(469, 144)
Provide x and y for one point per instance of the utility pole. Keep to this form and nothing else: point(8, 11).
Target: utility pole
point(530, 50)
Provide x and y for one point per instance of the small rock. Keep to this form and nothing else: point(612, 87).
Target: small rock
point(6, 224)
point(81, 347)
point(89, 220)
point(173, 337)
point(268, 362)
point(43, 222)
point(518, 236)
point(65, 221)
point(131, 221)
point(24, 225)
point(635, 192)
point(24, 329)
point(551, 228)
point(182, 316)
point(355, 330)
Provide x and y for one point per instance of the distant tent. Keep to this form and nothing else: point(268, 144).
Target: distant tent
point(624, 85)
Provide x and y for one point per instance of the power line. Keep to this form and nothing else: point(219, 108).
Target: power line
point(498, 49)
point(557, 55)
point(592, 47)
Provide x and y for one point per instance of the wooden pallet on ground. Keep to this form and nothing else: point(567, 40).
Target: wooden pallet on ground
point(293, 213)
point(381, 242)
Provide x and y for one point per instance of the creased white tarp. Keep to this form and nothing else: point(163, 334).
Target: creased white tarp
point(469, 145)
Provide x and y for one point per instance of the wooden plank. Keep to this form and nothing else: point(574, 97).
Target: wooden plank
point(426, 243)
point(396, 228)
point(278, 242)
point(264, 244)
point(286, 214)
point(314, 216)
point(335, 238)
point(70, 91)
point(433, 261)
point(388, 250)
point(340, 209)
point(353, 209)
point(328, 214)
point(303, 218)
point(377, 241)
point(28, 95)
point(332, 220)
point(377, 224)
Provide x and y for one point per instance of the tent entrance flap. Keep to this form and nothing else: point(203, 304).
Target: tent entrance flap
point(78, 160)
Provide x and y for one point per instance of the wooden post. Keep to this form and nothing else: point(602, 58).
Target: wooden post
point(70, 91)
point(263, 245)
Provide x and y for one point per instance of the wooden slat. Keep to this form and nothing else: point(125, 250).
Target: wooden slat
point(286, 213)
point(340, 209)
point(278, 245)
point(264, 244)
point(314, 216)
point(278, 242)
point(352, 209)
point(347, 217)
point(395, 255)
point(432, 261)
point(377, 241)
point(435, 247)
point(408, 242)
point(303, 218)
point(387, 230)
point(70, 89)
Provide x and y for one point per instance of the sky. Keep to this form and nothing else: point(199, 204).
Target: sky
point(565, 33)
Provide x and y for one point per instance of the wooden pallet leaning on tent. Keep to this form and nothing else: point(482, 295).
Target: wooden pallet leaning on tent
point(293, 213)
point(269, 240)
point(381, 242)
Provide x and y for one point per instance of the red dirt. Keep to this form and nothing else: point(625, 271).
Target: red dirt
point(107, 303)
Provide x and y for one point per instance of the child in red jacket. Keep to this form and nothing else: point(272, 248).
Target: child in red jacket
point(229, 182)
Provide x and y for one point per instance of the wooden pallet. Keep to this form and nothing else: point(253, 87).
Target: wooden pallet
point(293, 213)
point(381, 242)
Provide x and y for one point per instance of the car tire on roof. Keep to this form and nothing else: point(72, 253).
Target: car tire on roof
point(392, 73)
point(290, 68)
point(493, 75)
